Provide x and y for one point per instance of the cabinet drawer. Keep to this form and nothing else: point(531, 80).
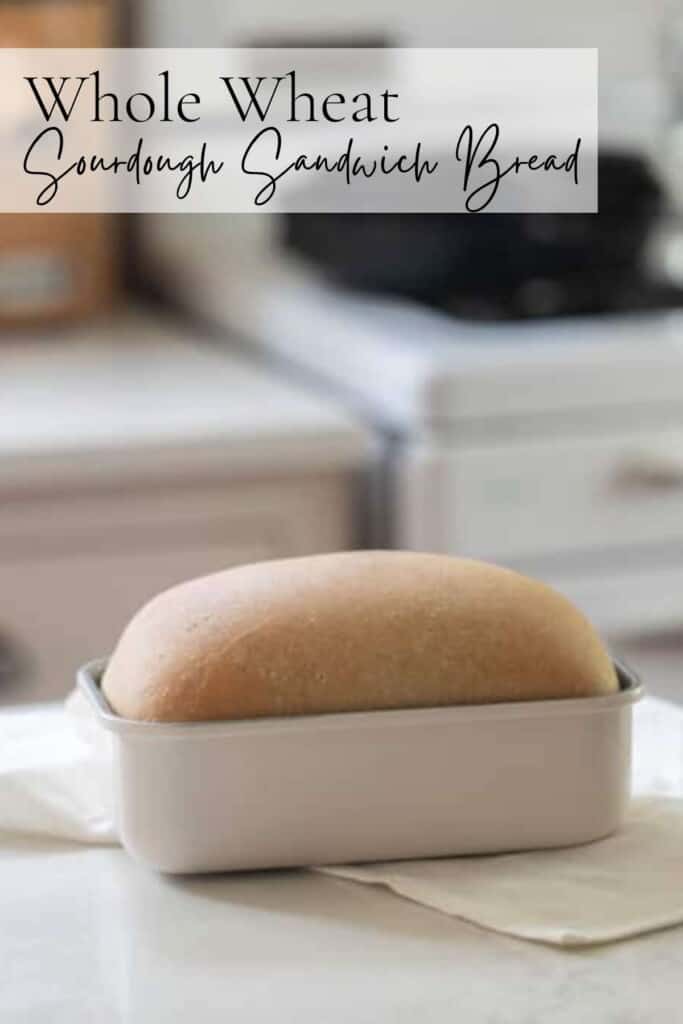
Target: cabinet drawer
point(74, 570)
point(58, 613)
point(556, 496)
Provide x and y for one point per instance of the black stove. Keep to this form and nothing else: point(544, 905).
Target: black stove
point(503, 266)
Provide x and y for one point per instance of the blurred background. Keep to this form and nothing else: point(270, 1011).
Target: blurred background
point(179, 394)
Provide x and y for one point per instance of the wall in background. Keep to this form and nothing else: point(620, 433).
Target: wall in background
point(628, 33)
point(625, 30)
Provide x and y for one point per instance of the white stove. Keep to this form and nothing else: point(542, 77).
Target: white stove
point(552, 446)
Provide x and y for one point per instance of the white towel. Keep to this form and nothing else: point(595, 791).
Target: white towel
point(56, 783)
point(55, 776)
point(627, 884)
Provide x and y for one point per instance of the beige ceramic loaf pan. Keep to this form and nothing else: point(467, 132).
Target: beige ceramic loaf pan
point(363, 786)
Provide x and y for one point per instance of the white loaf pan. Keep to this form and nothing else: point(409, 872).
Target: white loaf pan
point(362, 786)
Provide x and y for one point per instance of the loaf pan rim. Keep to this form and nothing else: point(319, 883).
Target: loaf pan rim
point(89, 676)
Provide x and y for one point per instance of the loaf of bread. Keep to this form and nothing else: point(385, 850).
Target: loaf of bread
point(348, 632)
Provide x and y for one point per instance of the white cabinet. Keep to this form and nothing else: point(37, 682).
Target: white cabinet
point(531, 498)
point(599, 517)
point(94, 521)
point(66, 594)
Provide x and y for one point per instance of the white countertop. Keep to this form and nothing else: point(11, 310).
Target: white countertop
point(141, 386)
point(88, 936)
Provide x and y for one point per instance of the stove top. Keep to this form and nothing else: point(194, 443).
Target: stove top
point(586, 294)
point(407, 364)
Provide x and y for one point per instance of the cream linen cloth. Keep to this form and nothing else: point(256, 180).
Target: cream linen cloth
point(55, 782)
point(55, 775)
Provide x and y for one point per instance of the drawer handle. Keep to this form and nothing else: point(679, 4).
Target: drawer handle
point(652, 469)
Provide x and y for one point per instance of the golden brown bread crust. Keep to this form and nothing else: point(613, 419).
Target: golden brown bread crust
point(348, 632)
